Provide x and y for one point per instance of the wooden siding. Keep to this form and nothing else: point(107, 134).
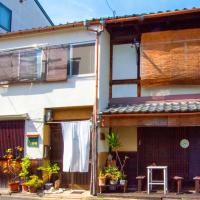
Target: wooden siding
point(151, 120)
point(72, 113)
point(161, 145)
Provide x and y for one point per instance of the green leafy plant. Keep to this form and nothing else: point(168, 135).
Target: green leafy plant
point(114, 143)
point(25, 165)
point(113, 173)
point(51, 168)
point(34, 182)
point(102, 174)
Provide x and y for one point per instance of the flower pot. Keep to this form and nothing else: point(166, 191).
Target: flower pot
point(122, 182)
point(24, 188)
point(32, 189)
point(113, 182)
point(57, 184)
point(14, 186)
point(102, 181)
point(47, 186)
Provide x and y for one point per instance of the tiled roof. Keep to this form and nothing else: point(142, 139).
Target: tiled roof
point(73, 24)
point(155, 107)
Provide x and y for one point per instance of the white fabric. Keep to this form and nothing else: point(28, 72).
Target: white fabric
point(76, 137)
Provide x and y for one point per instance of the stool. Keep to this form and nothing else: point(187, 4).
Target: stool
point(178, 180)
point(197, 183)
point(140, 182)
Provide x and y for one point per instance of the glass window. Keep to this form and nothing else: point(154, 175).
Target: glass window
point(5, 17)
point(30, 65)
point(82, 59)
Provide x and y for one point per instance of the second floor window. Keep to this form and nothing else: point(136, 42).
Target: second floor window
point(5, 17)
point(82, 59)
point(51, 63)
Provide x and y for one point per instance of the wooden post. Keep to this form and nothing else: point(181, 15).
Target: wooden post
point(197, 184)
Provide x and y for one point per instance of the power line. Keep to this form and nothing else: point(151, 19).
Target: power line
point(109, 6)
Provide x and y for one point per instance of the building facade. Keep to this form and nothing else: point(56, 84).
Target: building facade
point(20, 14)
point(137, 76)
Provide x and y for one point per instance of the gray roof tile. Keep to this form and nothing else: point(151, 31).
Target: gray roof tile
point(155, 107)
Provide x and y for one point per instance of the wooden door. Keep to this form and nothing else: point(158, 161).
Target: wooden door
point(161, 145)
point(71, 180)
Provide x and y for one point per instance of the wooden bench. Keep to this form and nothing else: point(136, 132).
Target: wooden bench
point(197, 183)
point(140, 182)
point(178, 181)
point(118, 186)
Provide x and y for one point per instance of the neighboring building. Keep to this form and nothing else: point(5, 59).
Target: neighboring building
point(22, 14)
point(47, 77)
point(122, 75)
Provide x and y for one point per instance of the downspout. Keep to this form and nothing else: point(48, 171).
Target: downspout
point(93, 187)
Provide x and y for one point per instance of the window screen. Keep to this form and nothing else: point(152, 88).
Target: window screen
point(5, 17)
point(82, 59)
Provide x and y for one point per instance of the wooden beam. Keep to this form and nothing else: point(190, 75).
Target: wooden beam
point(152, 120)
point(124, 81)
point(145, 99)
point(111, 70)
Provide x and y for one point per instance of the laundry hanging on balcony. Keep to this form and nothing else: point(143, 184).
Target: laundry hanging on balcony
point(76, 138)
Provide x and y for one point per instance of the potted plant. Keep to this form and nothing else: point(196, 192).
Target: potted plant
point(12, 167)
point(34, 183)
point(122, 180)
point(114, 143)
point(113, 174)
point(102, 178)
point(51, 168)
point(24, 173)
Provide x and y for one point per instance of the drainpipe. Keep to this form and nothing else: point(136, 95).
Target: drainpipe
point(93, 187)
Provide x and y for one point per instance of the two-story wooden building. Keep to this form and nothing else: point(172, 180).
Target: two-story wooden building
point(154, 85)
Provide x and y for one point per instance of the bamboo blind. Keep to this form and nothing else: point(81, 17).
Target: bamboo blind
point(170, 58)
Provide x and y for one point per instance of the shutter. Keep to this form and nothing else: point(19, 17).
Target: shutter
point(56, 69)
point(29, 66)
point(8, 67)
point(11, 135)
point(170, 58)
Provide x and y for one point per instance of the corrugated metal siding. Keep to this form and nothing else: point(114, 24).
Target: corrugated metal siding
point(11, 135)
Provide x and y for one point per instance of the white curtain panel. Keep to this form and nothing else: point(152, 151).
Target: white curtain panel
point(76, 137)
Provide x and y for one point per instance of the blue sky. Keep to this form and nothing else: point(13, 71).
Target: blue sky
point(62, 11)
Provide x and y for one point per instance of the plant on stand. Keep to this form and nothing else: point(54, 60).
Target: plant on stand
point(113, 174)
point(114, 143)
point(24, 173)
point(50, 169)
point(12, 167)
point(34, 183)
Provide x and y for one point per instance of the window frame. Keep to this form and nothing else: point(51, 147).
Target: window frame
point(70, 56)
point(10, 18)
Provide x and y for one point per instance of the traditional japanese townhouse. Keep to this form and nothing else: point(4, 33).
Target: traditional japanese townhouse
point(48, 76)
point(154, 92)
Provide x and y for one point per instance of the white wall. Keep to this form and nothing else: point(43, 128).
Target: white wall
point(34, 98)
point(25, 15)
point(104, 70)
point(125, 90)
point(124, 67)
point(124, 62)
point(170, 90)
